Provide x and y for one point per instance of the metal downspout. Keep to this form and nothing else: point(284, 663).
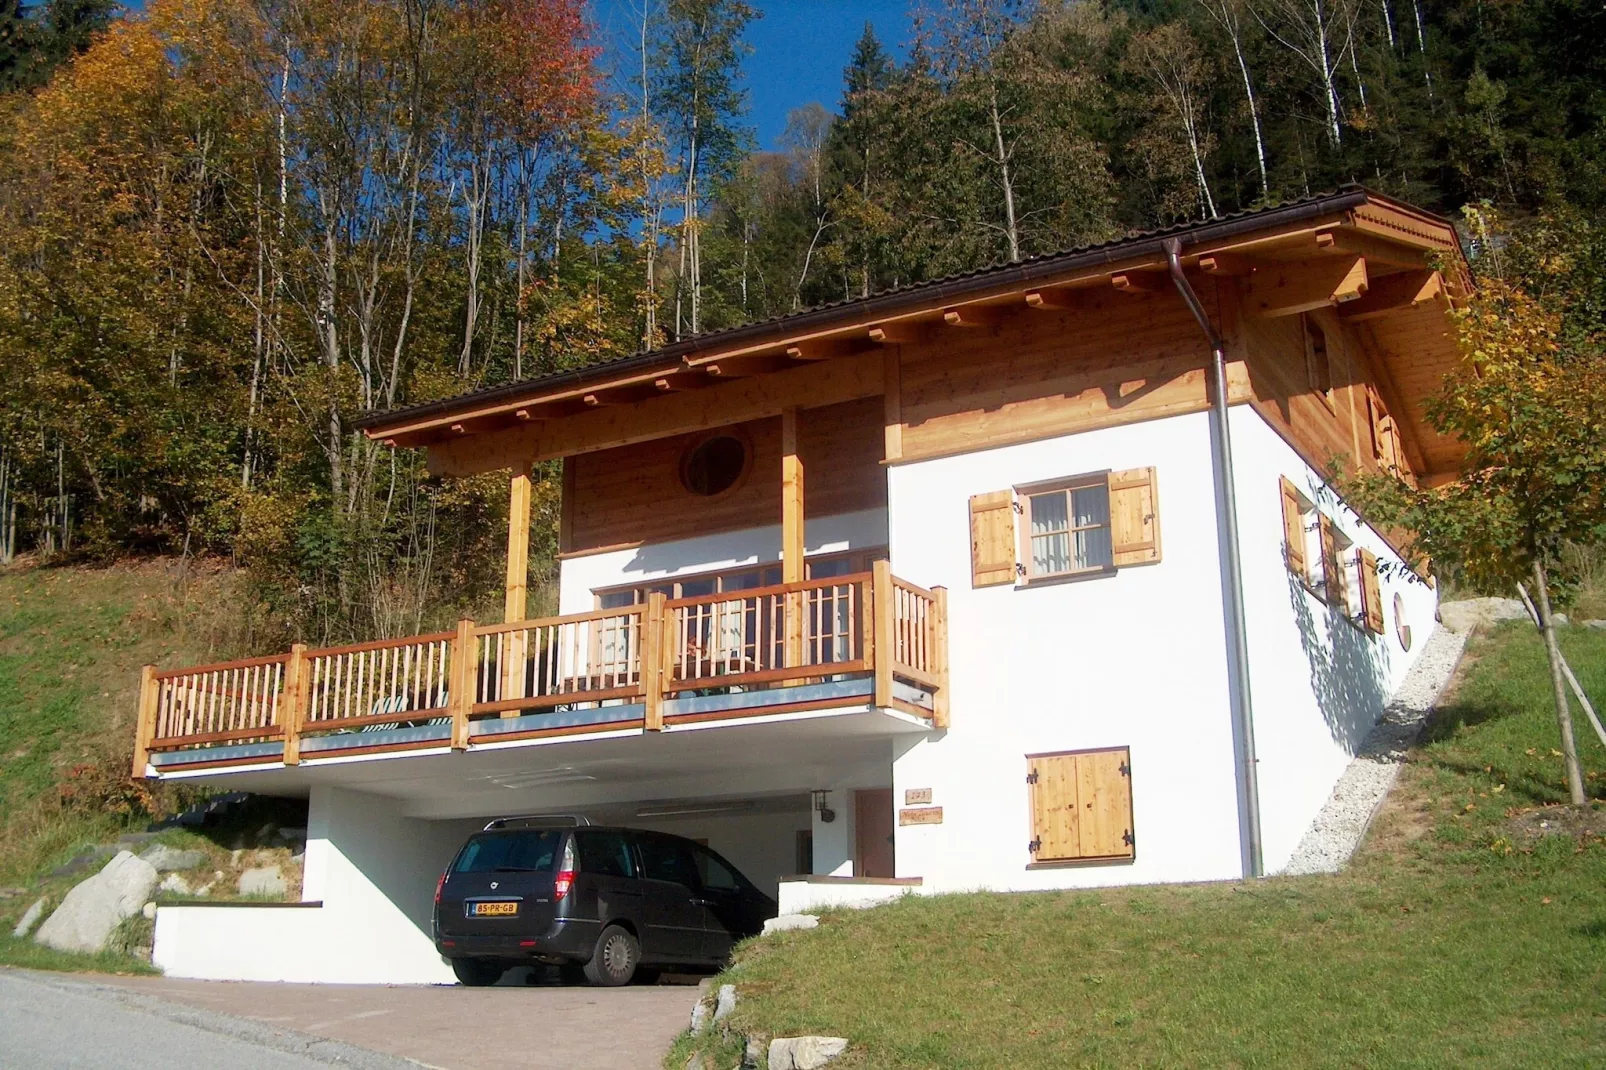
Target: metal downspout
point(1238, 638)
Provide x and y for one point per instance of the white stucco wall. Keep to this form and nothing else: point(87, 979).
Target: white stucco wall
point(1318, 683)
point(1137, 659)
point(375, 873)
point(580, 576)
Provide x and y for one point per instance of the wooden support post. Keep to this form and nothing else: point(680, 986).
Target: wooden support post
point(792, 521)
point(293, 702)
point(885, 651)
point(518, 546)
point(653, 641)
point(516, 603)
point(939, 657)
point(150, 691)
point(464, 676)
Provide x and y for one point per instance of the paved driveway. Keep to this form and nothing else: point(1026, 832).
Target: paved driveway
point(529, 1027)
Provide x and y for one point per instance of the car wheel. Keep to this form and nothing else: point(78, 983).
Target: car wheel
point(477, 973)
point(614, 960)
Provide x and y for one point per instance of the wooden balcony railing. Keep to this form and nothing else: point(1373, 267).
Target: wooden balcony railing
point(870, 626)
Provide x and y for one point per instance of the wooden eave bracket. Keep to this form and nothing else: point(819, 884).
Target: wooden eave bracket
point(1140, 281)
point(892, 334)
point(1305, 285)
point(1395, 293)
point(972, 316)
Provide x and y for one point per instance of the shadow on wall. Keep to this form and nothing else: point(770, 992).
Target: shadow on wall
point(407, 877)
point(1346, 667)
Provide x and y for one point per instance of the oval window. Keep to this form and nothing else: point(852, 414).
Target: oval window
point(714, 465)
point(1402, 630)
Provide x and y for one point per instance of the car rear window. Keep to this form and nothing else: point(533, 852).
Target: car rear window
point(522, 851)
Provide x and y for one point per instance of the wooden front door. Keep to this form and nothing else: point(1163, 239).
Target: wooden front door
point(872, 834)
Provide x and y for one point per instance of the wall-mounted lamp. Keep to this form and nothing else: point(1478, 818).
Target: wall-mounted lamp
point(827, 814)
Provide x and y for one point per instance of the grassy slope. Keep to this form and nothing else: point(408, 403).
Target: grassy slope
point(1451, 940)
point(71, 644)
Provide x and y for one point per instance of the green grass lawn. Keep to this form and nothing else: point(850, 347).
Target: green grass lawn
point(71, 644)
point(1455, 939)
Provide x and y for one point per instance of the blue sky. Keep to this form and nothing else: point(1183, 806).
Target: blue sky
point(799, 50)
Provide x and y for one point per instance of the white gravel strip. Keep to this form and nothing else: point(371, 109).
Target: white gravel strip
point(1359, 793)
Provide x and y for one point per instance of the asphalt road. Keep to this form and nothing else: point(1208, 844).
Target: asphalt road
point(48, 1022)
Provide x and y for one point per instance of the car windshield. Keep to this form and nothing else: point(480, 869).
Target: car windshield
point(522, 851)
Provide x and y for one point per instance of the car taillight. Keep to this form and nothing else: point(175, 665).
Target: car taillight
point(565, 878)
point(438, 886)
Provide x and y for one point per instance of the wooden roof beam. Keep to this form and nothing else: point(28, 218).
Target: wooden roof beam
point(735, 367)
point(1351, 242)
point(894, 334)
point(1050, 299)
point(1395, 293)
point(820, 349)
point(1140, 281)
point(1225, 264)
point(973, 316)
point(1305, 285)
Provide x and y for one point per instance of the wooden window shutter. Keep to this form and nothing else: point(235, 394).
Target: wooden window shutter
point(1332, 568)
point(1371, 593)
point(1081, 806)
point(1056, 831)
point(1134, 517)
point(992, 538)
point(1293, 531)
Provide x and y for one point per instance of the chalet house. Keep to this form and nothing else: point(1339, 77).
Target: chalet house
point(1028, 578)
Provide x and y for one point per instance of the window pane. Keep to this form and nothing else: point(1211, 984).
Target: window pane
point(669, 860)
point(697, 588)
point(1089, 506)
point(616, 599)
point(606, 853)
point(487, 853)
point(1048, 513)
point(714, 873)
point(831, 566)
point(740, 581)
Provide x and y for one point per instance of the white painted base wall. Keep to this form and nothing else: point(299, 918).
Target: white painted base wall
point(807, 897)
point(1135, 659)
point(375, 873)
point(1319, 683)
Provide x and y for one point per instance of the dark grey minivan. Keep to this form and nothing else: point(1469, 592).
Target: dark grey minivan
point(607, 904)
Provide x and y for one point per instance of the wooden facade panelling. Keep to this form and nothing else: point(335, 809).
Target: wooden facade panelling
point(1110, 358)
point(633, 494)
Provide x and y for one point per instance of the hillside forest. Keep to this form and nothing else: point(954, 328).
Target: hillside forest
point(228, 227)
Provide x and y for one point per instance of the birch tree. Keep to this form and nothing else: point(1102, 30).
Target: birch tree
point(1228, 14)
point(1313, 31)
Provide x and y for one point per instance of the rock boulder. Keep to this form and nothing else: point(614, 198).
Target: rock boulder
point(29, 919)
point(265, 881)
point(787, 922)
point(89, 913)
point(172, 860)
point(804, 1053)
point(1468, 613)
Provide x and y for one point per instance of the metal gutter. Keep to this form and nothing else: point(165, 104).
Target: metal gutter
point(1232, 566)
point(673, 356)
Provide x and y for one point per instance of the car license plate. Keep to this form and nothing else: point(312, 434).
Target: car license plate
point(493, 910)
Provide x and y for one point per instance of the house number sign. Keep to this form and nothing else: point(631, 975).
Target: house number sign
point(916, 796)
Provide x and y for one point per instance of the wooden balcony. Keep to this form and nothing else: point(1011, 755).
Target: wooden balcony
point(867, 640)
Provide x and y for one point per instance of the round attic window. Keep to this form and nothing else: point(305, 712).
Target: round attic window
point(714, 465)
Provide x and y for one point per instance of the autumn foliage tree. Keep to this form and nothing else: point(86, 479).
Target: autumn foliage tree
point(1529, 405)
